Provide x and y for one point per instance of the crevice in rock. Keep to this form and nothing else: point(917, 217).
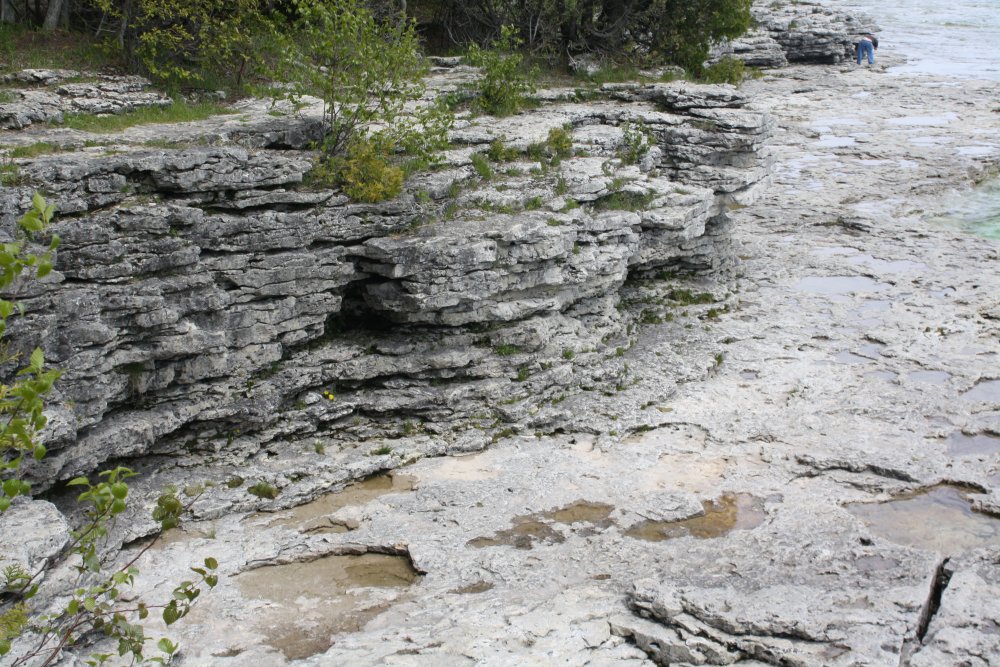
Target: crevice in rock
point(942, 576)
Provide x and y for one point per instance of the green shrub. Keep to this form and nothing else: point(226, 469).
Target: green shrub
point(198, 43)
point(636, 142)
point(505, 83)
point(560, 142)
point(264, 490)
point(482, 166)
point(498, 152)
point(727, 70)
point(366, 71)
point(365, 173)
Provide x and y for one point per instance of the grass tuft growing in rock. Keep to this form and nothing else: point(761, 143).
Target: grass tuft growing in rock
point(35, 149)
point(264, 490)
point(178, 112)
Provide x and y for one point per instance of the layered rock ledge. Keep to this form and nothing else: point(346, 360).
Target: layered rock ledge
point(206, 299)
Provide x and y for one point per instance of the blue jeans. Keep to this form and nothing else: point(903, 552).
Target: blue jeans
point(866, 48)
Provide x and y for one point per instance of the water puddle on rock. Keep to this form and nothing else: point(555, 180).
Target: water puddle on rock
point(986, 391)
point(315, 517)
point(847, 357)
point(525, 531)
point(309, 602)
point(960, 444)
point(939, 519)
point(473, 589)
point(839, 285)
point(929, 377)
point(728, 513)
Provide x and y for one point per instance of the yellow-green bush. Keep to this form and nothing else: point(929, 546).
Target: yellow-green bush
point(366, 175)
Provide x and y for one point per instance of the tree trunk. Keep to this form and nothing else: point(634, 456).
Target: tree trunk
point(53, 15)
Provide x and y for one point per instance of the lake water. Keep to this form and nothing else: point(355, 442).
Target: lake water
point(954, 38)
point(959, 38)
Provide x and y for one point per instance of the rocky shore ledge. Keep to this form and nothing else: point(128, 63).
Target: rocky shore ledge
point(760, 304)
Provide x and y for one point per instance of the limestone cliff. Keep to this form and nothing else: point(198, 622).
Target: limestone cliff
point(206, 299)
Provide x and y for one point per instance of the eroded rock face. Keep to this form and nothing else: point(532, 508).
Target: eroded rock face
point(203, 295)
point(807, 32)
point(812, 32)
point(104, 95)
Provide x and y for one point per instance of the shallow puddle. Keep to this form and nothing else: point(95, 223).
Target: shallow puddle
point(526, 530)
point(523, 534)
point(939, 519)
point(929, 377)
point(473, 588)
point(315, 517)
point(986, 391)
point(960, 444)
point(839, 284)
point(310, 602)
point(847, 357)
point(582, 511)
point(888, 376)
point(728, 513)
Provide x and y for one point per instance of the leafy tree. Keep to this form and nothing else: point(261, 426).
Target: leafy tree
point(505, 83)
point(188, 42)
point(368, 73)
point(95, 605)
point(674, 31)
point(365, 70)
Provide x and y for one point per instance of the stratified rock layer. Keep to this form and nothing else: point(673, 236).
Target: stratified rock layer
point(203, 294)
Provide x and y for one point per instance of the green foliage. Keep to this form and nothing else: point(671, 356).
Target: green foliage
point(506, 82)
point(482, 166)
point(34, 150)
point(22, 401)
point(178, 112)
point(636, 142)
point(560, 142)
point(365, 173)
point(96, 605)
point(264, 490)
point(365, 70)
point(24, 48)
point(686, 297)
point(10, 174)
point(506, 350)
point(189, 42)
point(624, 201)
point(653, 32)
point(499, 152)
point(727, 70)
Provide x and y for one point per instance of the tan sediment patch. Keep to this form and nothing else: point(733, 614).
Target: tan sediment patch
point(307, 603)
point(314, 517)
point(728, 513)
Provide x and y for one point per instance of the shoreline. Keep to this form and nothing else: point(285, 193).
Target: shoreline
point(859, 342)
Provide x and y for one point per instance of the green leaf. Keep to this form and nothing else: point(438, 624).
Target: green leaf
point(37, 359)
point(78, 481)
point(211, 563)
point(39, 452)
point(167, 646)
point(12, 487)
